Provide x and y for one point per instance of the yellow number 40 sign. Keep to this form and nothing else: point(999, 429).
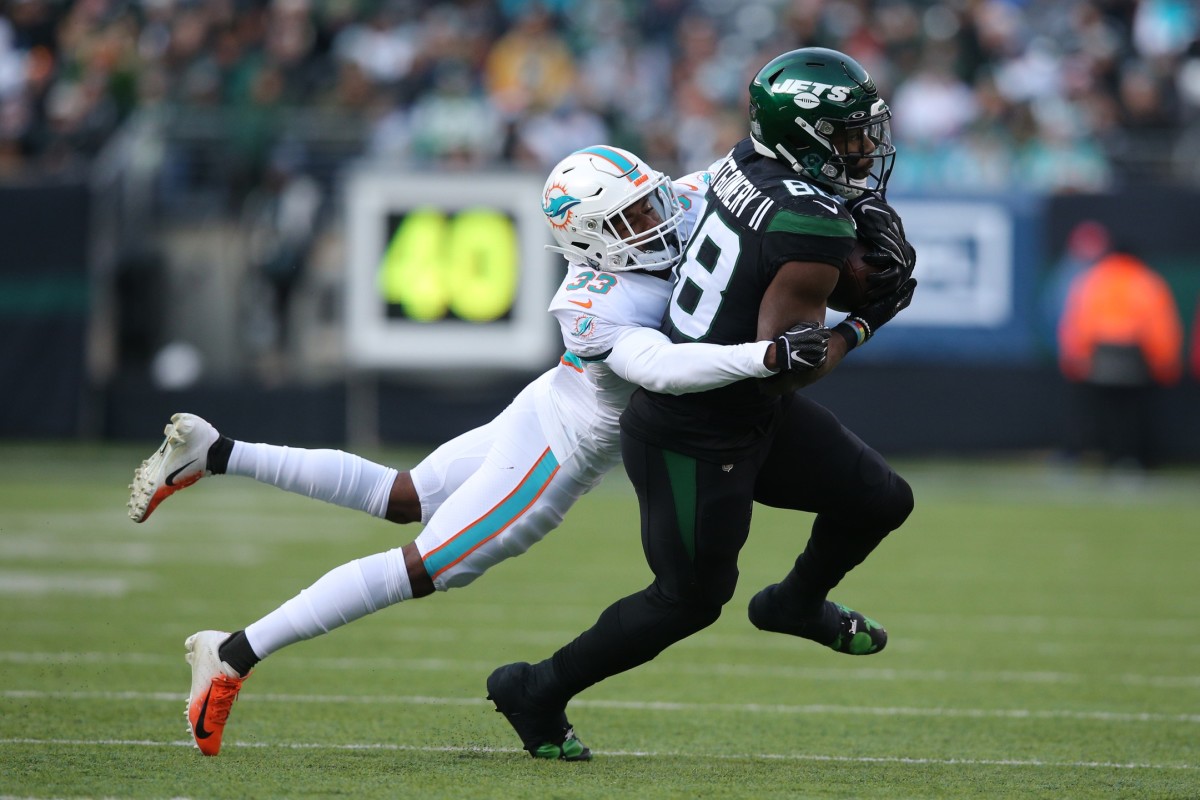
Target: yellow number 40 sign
point(443, 267)
point(440, 264)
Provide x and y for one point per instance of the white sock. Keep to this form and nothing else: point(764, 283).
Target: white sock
point(341, 595)
point(334, 476)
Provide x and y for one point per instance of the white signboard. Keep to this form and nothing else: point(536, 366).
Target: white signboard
point(448, 272)
point(964, 263)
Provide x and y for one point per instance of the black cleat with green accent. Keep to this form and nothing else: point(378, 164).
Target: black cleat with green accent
point(838, 628)
point(545, 733)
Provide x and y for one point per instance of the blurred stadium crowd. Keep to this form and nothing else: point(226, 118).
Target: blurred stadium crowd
point(1054, 95)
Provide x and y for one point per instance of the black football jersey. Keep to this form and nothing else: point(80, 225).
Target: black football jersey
point(759, 215)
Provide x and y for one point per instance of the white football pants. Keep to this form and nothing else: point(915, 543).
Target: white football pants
point(493, 492)
point(517, 495)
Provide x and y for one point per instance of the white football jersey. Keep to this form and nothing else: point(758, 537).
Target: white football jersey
point(609, 324)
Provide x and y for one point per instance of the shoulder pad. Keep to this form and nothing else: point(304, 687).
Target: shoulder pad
point(787, 189)
point(813, 204)
point(693, 182)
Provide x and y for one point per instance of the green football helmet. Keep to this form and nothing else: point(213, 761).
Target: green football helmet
point(819, 111)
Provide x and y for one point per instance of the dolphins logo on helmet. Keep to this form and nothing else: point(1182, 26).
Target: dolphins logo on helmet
point(557, 205)
point(590, 199)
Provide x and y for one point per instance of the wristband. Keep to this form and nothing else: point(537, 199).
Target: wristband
point(854, 330)
point(783, 359)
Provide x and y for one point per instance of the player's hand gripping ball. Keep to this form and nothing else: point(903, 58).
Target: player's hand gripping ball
point(853, 288)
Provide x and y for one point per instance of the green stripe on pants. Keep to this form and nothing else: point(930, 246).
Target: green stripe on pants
point(681, 471)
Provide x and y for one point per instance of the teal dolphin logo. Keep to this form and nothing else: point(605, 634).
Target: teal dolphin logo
point(559, 206)
point(584, 326)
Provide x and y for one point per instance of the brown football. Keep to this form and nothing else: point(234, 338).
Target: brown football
point(850, 293)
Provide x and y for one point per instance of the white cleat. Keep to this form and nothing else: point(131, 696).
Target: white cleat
point(215, 685)
point(177, 464)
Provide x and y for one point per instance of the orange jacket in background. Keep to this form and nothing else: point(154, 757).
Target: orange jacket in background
point(1196, 344)
point(1121, 301)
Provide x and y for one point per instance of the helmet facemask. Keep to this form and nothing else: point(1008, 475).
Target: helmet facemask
point(608, 208)
point(657, 246)
point(859, 154)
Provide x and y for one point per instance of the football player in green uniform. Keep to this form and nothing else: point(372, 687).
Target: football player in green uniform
point(784, 210)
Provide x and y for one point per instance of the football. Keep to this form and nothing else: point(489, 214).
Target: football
point(850, 293)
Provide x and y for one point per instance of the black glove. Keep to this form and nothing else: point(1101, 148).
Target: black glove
point(802, 347)
point(863, 323)
point(881, 227)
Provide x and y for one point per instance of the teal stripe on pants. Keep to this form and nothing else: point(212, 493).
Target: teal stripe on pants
point(494, 522)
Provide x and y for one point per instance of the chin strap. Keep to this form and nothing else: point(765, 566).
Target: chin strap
point(796, 165)
point(843, 190)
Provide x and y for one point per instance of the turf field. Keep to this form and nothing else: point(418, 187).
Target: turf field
point(1045, 643)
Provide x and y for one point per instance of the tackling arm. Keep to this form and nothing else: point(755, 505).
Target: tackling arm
point(648, 358)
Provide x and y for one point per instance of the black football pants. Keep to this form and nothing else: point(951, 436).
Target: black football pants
point(696, 517)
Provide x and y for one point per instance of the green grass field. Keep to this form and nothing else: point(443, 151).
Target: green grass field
point(1045, 643)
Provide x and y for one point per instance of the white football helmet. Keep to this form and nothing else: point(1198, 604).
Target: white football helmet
point(593, 202)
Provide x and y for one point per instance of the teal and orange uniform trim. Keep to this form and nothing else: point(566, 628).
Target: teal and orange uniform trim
point(571, 360)
point(495, 521)
point(628, 168)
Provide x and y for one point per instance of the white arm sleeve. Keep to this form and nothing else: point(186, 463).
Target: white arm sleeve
point(648, 358)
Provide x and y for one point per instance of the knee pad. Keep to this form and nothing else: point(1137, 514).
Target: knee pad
point(688, 614)
point(694, 617)
point(889, 498)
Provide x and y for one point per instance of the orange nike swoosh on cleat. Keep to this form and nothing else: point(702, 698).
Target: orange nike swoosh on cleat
point(583, 303)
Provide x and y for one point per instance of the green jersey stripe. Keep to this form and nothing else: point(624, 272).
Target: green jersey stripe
point(790, 222)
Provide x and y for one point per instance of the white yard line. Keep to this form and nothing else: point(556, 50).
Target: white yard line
point(815, 709)
point(40, 584)
point(974, 762)
point(1173, 682)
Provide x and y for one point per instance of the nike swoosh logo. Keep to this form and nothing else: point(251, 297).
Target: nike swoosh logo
point(829, 208)
point(171, 479)
point(582, 303)
point(200, 732)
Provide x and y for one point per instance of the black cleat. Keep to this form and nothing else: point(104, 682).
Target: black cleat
point(544, 733)
point(838, 628)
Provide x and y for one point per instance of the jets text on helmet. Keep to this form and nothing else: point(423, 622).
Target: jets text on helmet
point(837, 94)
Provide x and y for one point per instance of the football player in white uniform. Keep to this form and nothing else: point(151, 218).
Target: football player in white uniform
point(495, 491)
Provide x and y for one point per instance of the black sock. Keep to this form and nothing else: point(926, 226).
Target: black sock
point(218, 455)
point(801, 598)
point(237, 653)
